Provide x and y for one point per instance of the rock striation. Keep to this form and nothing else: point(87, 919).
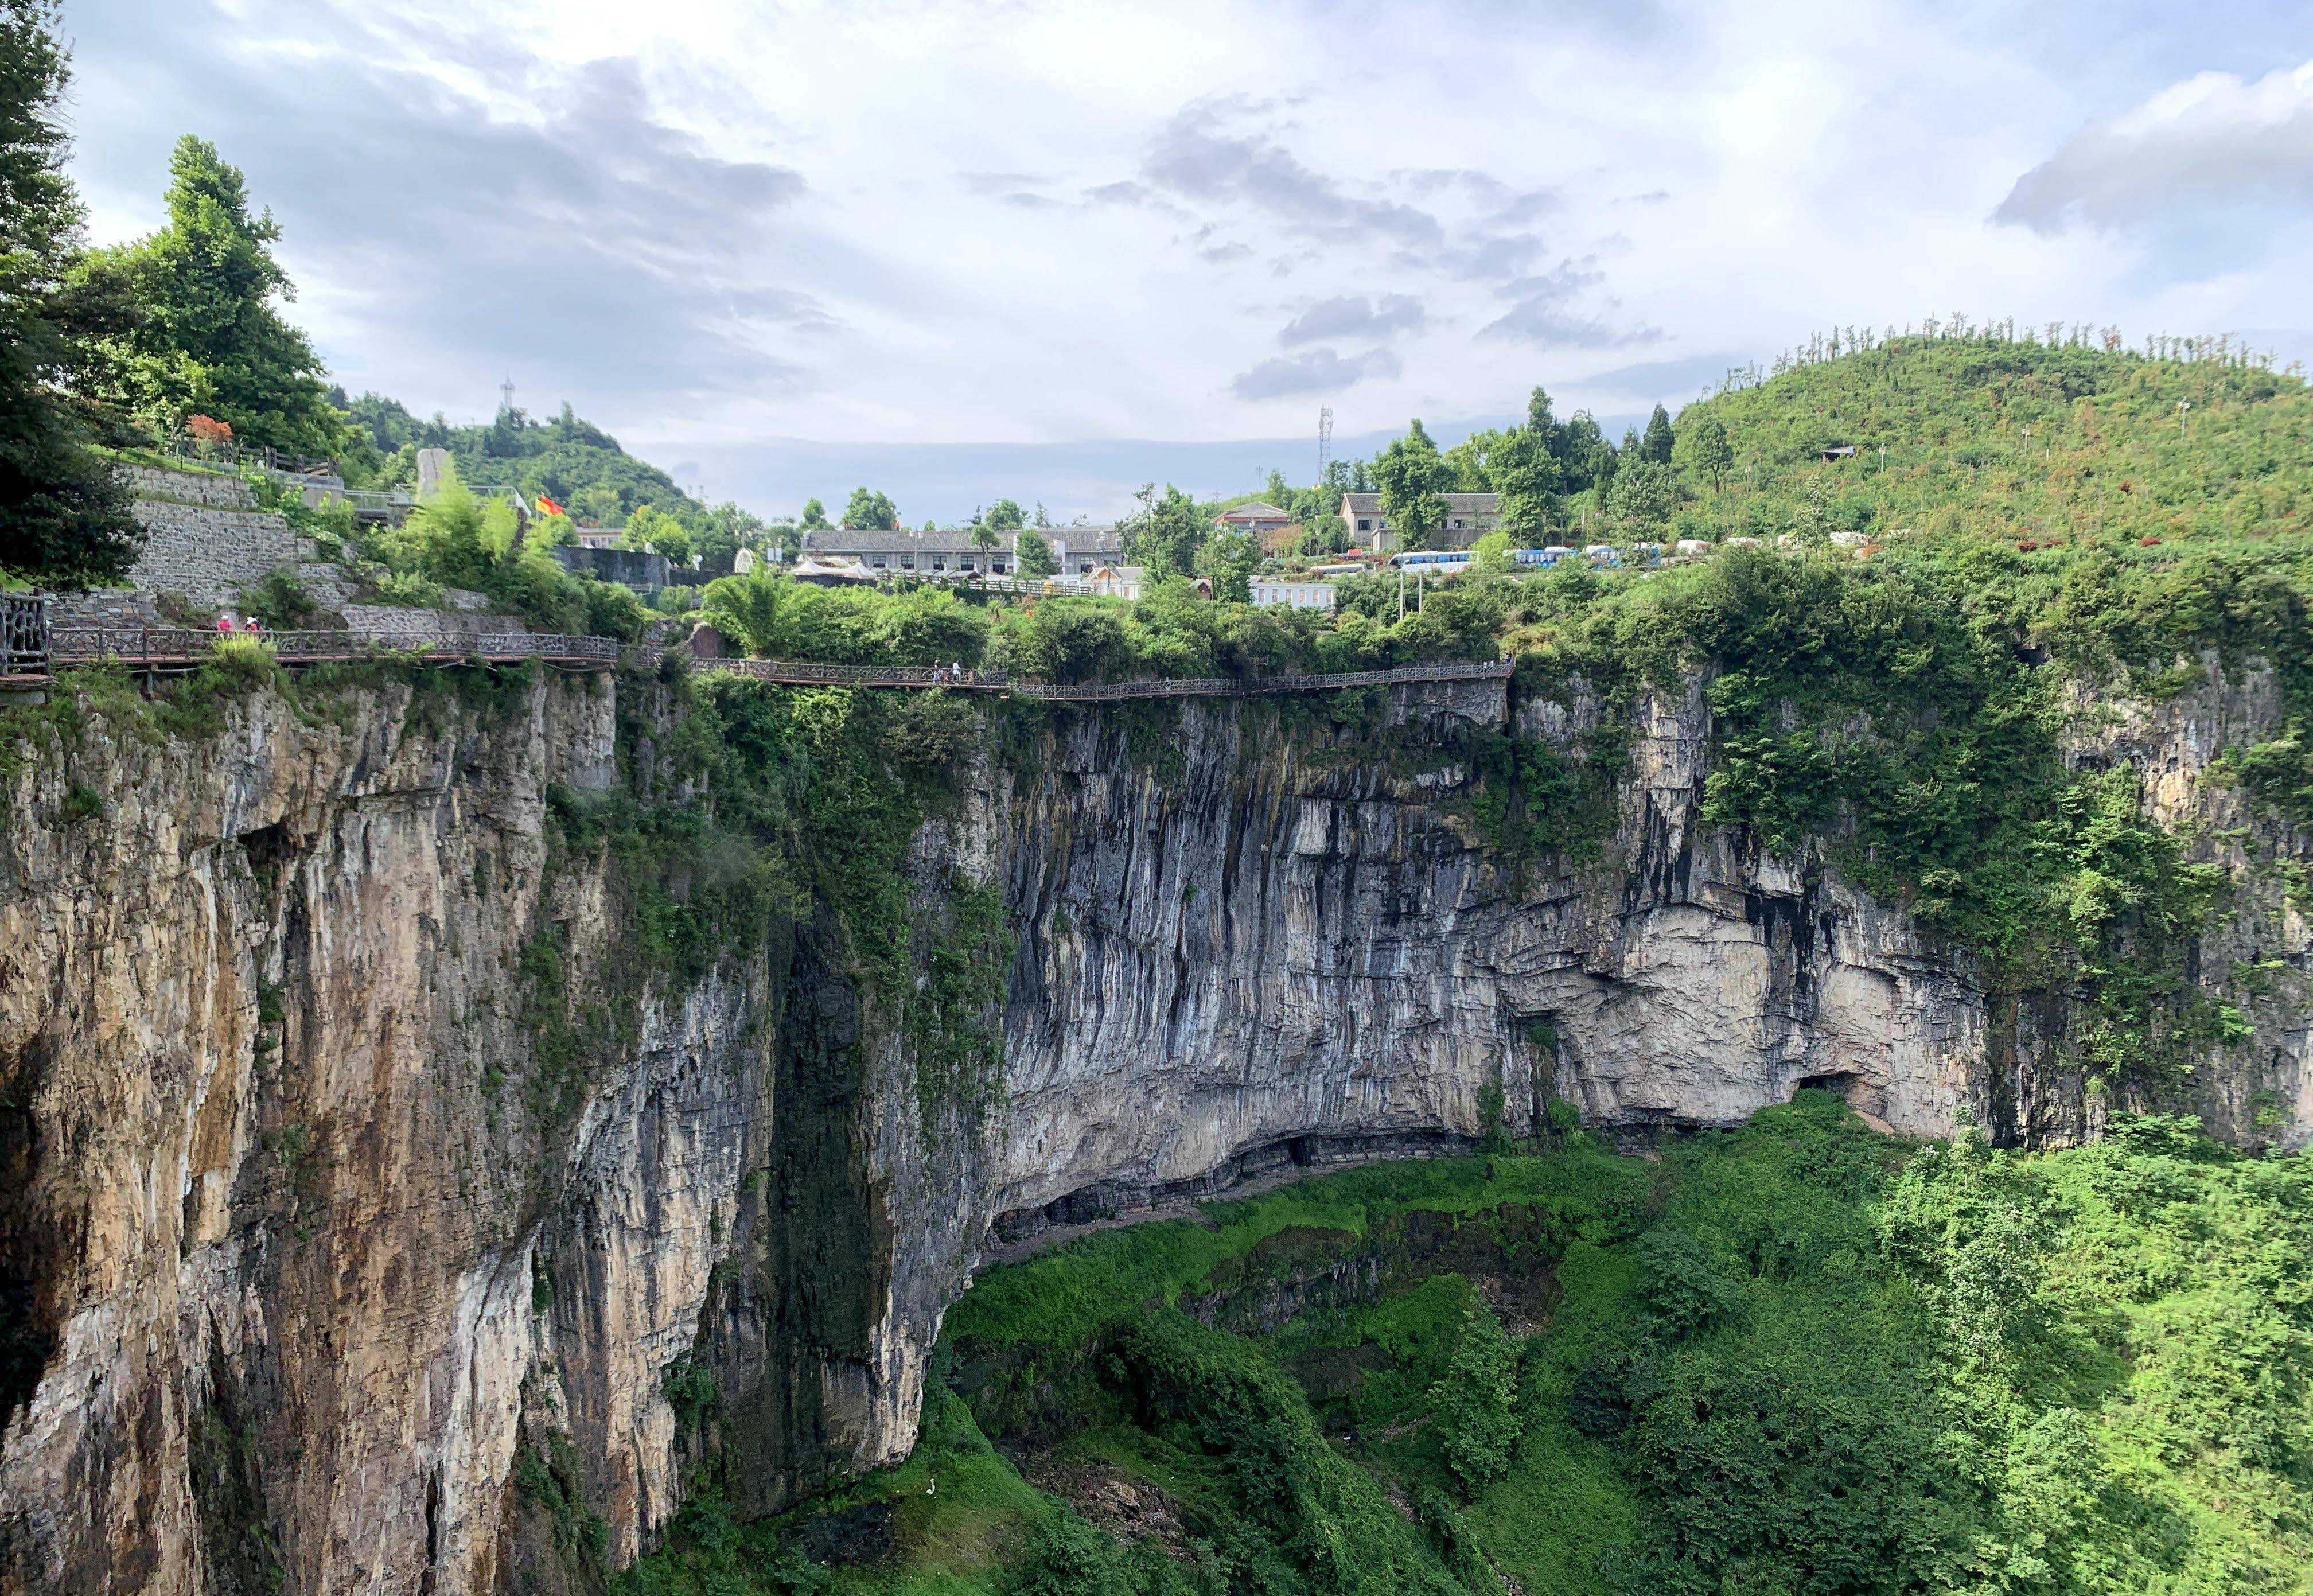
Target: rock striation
point(353, 1180)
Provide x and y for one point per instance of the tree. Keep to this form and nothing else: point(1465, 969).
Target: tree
point(1643, 495)
point(1413, 477)
point(870, 511)
point(1584, 456)
point(1277, 490)
point(1477, 1402)
point(211, 339)
point(658, 532)
point(749, 610)
point(64, 514)
point(1659, 439)
point(1230, 557)
point(1527, 470)
point(984, 536)
point(1164, 534)
point(1004, 515)
point(1709, 455)
point(1035, 555)
point(815, 517)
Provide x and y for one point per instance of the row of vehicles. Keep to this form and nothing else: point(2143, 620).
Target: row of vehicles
point(1453, 561)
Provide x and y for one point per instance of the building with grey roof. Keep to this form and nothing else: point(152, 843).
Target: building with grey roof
point(1469, 516)
point(947, 550)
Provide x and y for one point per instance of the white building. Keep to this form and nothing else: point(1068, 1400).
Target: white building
point(1298, 595)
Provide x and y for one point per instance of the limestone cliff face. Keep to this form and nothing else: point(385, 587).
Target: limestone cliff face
point(351, 1178)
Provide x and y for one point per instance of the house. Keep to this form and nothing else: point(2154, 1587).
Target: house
point(1297, 595)
point(1260, 519)
point(600, 537)
point(946, 552)
point(1839, 453)
point(1469, 516)
point(950, 551)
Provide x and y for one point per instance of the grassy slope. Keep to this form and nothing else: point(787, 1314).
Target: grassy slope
point(1795, 1357)
point(2109, 457)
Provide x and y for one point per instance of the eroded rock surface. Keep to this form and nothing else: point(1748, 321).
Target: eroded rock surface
point(309, 1235)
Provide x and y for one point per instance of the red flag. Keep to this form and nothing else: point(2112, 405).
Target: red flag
point(549, 506)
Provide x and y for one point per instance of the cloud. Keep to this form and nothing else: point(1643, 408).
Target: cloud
point(1198, 159)
point(1544, 312)
point(592, 245)
point(1319, 371)
point(1664, 379)
point(2211, 142)
point(1353, 315)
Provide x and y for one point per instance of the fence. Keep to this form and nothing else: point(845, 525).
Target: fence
point(806, 673)
point(33, 648)
point(165, 648)
point(23, 634)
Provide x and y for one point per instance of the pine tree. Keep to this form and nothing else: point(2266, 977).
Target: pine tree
point(1657, 444)
point(64, 513)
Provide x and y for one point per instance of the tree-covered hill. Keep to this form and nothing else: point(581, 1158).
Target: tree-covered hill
point(2030, 441)
point(571, 460)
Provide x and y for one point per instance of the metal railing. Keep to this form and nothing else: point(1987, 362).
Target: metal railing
point(812, 673)
point(33, 648)
point(164, 646)
point(23, 633)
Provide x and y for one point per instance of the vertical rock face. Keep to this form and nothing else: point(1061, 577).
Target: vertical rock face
point(341, 1200)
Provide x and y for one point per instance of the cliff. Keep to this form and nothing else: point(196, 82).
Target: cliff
point(387, 1208)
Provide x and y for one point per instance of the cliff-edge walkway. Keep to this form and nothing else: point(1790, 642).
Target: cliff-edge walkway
point(31, 651)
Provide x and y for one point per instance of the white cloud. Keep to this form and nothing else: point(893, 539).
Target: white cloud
point(906, 223)
point(2212, 141)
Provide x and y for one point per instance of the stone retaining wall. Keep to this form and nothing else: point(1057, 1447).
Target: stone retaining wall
point(195, 487)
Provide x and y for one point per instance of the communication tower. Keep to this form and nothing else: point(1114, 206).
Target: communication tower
point(505, 395)
point(1324, 437)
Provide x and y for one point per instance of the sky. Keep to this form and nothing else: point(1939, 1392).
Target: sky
point(1052, 251)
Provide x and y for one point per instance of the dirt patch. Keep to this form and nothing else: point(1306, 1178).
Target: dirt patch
point(1129, 1509)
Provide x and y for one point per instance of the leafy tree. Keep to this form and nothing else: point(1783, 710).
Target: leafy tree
point(1043, 517)
point(1659, 440)
point(815, 517)
point(658, 532)
point(749, 610)
point(211, 341)
point(1643, 495)
point(1525, 471)
point(1230, 557)
point(1164, 534)
point(1709, 455)
point(64, 514)
point(1276, 491)
point(1472, 462)
point(1004, 515)
point(870, 511)
point(1035, 555)
point(1413, 478)
point(984, 536)
point(1476, 1403)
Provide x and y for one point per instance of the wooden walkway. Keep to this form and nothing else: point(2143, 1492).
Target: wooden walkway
point(30, 652)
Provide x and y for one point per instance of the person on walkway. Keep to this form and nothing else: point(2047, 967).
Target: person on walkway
point(225, 623)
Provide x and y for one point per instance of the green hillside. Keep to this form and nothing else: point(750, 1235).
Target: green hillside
point(573, 461)
point(1793, 1358)
point(2027, 441)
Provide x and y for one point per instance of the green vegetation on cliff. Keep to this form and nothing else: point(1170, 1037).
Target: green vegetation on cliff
point(1796, 1357)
